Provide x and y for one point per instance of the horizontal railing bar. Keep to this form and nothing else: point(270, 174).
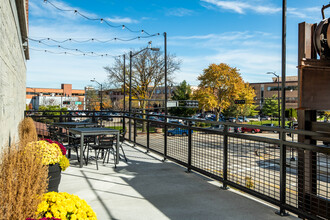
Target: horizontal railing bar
point(321, 126)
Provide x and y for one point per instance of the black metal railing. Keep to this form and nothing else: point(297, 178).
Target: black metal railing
point(294, 176)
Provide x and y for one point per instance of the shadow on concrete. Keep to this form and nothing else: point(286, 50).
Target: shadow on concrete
point(181, 195)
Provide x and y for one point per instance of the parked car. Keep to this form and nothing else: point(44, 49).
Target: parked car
point(221, 127)
point(210, 118)
point(231, 119)
point(253, 118)
point(216, 127)
point(175, 121)
point(106, 116)
point(252, 130)
point(265, 118)
point(178, 131)
point(243, 119)
point(270, 125)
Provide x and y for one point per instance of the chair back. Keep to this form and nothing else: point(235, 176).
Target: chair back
point(122, 133)
point(106, 140)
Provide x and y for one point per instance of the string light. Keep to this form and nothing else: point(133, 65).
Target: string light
point(91, 39)
point(76, 12)
point(93, 54)
point(66, 48)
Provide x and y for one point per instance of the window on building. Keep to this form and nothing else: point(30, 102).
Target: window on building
point(275, 88)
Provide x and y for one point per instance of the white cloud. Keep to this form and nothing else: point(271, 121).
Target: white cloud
point(122, 20)
point(242, 7)
point(46, 10)
point(261, 7)
point(305, 13)
point(253, 52)
point(227, 39)
point(179, 12)
point(253, 64)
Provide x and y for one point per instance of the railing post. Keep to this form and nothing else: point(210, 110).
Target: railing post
point(225, 157)
point(165, 138)
point(282, 211)
point(148, 133)
point(93, 116)
point(61, 119)
point(134, 132)
point(189, 146)
point(124, 121)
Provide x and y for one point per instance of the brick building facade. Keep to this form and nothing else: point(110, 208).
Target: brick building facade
point(73, 99)
point(269, 89)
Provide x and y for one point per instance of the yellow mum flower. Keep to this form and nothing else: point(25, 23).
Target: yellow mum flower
point(65, 206)
point(51, 152)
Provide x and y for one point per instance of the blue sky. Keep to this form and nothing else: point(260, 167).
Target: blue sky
point(244, 34)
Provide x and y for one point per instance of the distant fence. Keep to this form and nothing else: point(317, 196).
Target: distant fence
point(291, 175)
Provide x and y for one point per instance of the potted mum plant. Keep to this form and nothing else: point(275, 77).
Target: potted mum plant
point(53, 155)
point(64, 206)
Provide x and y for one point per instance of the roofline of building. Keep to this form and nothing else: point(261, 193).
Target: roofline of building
point(273, 82)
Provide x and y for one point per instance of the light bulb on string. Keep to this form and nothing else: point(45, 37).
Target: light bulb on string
point(101, 20)
point(75, 12)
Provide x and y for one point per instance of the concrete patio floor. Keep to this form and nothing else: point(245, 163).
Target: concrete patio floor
point(147, 188)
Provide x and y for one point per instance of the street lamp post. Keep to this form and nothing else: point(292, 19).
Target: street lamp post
point(101, 103)
point(131, 55)
point(278, 96)
point(124, 104)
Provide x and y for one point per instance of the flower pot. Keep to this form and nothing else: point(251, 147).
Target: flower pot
point(54, 175)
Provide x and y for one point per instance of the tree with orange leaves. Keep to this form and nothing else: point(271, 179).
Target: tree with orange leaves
point(219, 86)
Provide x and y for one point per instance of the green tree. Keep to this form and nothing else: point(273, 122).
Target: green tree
point(292, 113)
point(182, 92)
point(92, 100)
point(219, 86)
point(270, 106)
point(327, 115)
point(244, 110)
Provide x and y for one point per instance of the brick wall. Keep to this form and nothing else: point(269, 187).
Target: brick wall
point(12, 71)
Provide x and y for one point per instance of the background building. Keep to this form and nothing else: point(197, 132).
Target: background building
point(269, 89)
point(73, 99)
point(117, 95)
point(13, 55)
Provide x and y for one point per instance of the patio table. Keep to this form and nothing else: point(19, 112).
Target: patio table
point(66, 125)
point(95, 131)
point(74, 124)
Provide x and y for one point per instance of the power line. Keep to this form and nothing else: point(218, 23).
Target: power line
point(99, 19)
point(91, 39)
